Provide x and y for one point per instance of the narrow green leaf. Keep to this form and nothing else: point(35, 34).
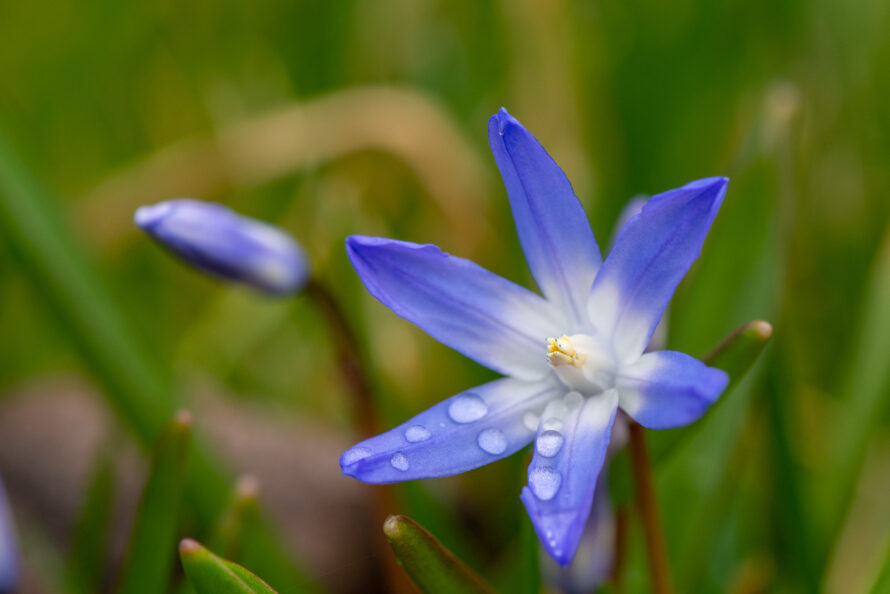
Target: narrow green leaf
point(882, 583)
point(866, 383)
point(432, 567)
point(740, 350)
point(149, 561)
point(228, 536)
point(735, 355)
point(87, 560)
point(210, 574)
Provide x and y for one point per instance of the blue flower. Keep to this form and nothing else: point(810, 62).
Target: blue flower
point(213, 238)
point(572, 358)
point(9, 557)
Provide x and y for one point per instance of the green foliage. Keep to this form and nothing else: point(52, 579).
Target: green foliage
point(432, 567)
point(149, 562)
point(85, 566)
point(210, 574)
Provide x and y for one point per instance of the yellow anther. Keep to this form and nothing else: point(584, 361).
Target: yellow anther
point(560, 351)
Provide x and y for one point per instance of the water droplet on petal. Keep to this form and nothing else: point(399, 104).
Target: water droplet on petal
point(355, 454)
point(530, 420)
point(467, 408)
point(544, 482)
point(549, 443)
point(399, 462)
point(573, 400)
point(492, 441)
point(417, 433)
point(552, 424)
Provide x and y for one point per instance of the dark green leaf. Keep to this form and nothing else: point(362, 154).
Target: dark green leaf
point(150, 558)
point(210, 574)
point(87, 560)
point(432, 567)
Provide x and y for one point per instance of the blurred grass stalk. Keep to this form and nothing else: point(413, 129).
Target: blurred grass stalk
point(136, 385)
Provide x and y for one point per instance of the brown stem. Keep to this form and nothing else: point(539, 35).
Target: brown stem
point(348, 356)
point(620, 548)
point(656, 552)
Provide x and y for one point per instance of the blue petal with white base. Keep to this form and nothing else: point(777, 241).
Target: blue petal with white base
point(461, 433)
point(652, 253)
point(220, 242)
point(667, 389)
point(553, 229)
point(487, 318)
point(562, 475)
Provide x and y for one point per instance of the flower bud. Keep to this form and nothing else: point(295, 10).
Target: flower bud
point(220, 242)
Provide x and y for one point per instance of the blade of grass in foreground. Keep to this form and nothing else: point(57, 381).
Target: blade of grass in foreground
point(149, 562)
point(210, 574)
point(432, 567)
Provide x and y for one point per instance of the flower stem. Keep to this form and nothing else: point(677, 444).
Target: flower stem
point(348, 356)
point(656, 551)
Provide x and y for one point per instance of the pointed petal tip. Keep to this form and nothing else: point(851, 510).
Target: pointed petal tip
point(503, 120)
point(557, 537)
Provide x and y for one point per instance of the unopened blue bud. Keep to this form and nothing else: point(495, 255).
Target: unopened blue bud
point(215, 239)
point(9, 556)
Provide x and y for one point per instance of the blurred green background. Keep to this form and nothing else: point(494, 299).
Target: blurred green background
point(331, 118)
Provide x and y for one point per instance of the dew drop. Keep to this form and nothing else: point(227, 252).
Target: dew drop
point(417, 433)
point(573, 400)
point(530, 420)
point(467, 408)
point(549, 443)
point(552, 424)
point(354, 455)
point(544, 482)
point(492, 441)
point(399, 462)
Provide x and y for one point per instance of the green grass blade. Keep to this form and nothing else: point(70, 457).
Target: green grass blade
point(432, 567)
point(210, 574)
point(87, 559)
point(149, 562)
point(864, 393)
point(740, 350)
point(238, 519)
point(735, 355)
point(882, 583)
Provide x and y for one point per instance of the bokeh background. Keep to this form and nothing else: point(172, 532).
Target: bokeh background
point(331, 118)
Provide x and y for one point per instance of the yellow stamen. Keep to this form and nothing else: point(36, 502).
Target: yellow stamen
point(560, 351)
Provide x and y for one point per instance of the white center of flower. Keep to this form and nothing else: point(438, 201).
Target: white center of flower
point(582, 363)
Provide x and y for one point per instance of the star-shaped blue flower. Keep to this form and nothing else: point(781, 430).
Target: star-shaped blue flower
point(571, 358)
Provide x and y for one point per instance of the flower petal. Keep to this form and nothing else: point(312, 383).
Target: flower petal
point(487, 318)
point(595, 558)
point(561, 483)
point(667, 389)
point(466, 431)
point(552, 225)
point(9, 556)
point(651, 255)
